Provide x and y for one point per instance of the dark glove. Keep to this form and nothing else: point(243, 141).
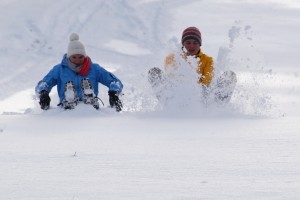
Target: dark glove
point(44, 100)
point(114, 100)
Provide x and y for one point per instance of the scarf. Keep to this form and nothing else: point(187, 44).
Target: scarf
point(85, 67)
point(81, 70)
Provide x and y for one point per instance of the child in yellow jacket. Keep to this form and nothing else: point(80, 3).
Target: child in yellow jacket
point(191, 41)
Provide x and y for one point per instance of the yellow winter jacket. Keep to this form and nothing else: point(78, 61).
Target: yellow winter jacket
point(205, 66)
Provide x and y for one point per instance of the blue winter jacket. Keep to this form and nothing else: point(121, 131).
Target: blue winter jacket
point(61, 74)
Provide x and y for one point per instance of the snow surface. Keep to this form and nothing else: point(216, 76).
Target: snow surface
point(248, 149)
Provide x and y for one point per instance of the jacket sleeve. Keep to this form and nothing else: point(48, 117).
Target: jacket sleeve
point(207, 73)
point(49, 81)
point(108, 79)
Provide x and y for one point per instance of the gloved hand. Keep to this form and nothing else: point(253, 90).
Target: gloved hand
point(114, 100)
point(44, 100)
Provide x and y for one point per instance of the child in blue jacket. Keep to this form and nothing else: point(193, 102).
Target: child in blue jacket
point(77, 78)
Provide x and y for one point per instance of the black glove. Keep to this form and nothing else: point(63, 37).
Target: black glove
point(114, 100)
point(44, 100)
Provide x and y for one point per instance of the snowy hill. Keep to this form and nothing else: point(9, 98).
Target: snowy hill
point(245, 150)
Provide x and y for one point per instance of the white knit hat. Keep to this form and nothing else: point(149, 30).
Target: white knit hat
point(75, 46)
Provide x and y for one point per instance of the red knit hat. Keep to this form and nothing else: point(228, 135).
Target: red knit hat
point(191, 33)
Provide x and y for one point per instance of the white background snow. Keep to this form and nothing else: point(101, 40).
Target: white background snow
point(248, 149)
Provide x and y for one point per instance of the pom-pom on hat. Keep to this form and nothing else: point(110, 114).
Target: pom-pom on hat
point(191, 33)
point(75, 46)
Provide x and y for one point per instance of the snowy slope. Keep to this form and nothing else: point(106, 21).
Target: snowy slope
point(248, 149)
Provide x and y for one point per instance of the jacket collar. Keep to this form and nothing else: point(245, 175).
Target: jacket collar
point(199, 54)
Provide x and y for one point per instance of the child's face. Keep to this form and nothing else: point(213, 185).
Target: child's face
point(192, 46)
point(77, 59)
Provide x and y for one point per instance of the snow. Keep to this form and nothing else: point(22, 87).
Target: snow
point(248, 149)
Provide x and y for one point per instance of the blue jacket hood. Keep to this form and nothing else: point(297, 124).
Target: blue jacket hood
point(65, 61)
